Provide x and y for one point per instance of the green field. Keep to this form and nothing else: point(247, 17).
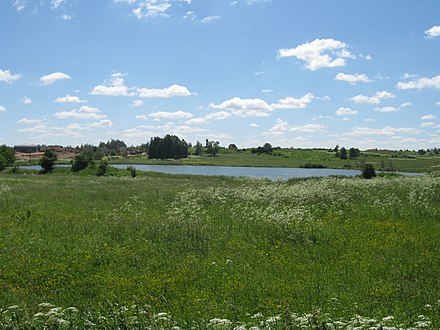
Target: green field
point(388, 161)
point(160, 251)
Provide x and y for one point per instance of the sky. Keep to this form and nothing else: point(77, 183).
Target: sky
point(294, 73)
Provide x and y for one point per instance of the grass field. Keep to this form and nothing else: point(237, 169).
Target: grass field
point(160, 251)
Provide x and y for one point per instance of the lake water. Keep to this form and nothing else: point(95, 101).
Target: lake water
point(273, 173)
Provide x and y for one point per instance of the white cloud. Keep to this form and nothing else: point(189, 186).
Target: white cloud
point(114, 87)
point(151, 9)
point(320, 53)
point(8, 77)
point(54, 4)
point(170, 115)
point(253, 125)
point(26, 100)
point(210, 19)
point(387, 109)
point(352, 79)
point(428, 124)
point(100, 123)
point(267, 91)
point(174, 90)
point(20, 4)
point(433, 32)
point(66, 17)
point(137, 103)
point(428, 117)
point(2, 109)
point(345, 111)
point(281, 127)
point(85, 112)
point(437, 104)
point(69, 99)
point(386, 131)
point(375, 99)
point(53, 77)
point(421, 83)
point(406, 104)
point(26, 121)
point(259, 108)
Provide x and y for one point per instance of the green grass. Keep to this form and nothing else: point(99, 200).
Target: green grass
point(200, 248)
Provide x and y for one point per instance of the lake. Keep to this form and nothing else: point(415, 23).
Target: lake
point(273, 173)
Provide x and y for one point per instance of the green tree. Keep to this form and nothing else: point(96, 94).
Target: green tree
point(198, 148)
point(343, 153)
point(7, 157)
point(80, 162)
point(354, 153)
point(368, 171)
point(47, 161)
point(102, 168)
point(213, 148)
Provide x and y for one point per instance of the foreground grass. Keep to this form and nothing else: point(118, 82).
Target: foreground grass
point(213, 252)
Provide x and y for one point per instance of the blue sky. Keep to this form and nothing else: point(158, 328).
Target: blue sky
point(295, 73)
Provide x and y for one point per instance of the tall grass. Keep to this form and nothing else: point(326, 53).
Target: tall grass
point(219, 252)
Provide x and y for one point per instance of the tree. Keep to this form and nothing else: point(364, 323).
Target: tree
point(354, 153)
point(7, 157)
point(368, 171)
point(168, 147)
point(343, 153)
point(198, 148)
point(80, 162)
point(102, 168)
point(213, 148)
point(47, 161)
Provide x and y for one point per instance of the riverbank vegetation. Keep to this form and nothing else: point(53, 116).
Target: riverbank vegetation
point(160, 251)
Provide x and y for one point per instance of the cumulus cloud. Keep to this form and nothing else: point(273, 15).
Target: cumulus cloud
point(26, 100)
point(387, 109)
point(259, 108)
point(26, 121)
point(375, 99)
point(166, 115)
point(320, 53)
point(281, 127)
point(428, 117)
point(2, 109)
point(385, 131)
point(85, 112)
point(253, 125)
point(69, 99)
point(54, 4)
point(173, 90)
point(53, 77)
point(421, 83)
point(8, 77)
point(345, 111)
point(114, 87)
point(100, 123)
point(433, 32)
point(406, 104)
point(352, 79)
point(210, 19)
point(137, 103)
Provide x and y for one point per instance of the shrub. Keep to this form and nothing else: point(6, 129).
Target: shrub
point(102, 168)
point(80, 162)
point(47, 161)
point(368, 171)
point(132, 170)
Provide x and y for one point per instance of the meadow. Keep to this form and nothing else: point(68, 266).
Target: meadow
point(178, 252)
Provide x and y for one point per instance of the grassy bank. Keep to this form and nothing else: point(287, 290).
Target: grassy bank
point(219, 252)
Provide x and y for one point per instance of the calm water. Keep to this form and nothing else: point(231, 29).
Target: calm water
point(273, 173)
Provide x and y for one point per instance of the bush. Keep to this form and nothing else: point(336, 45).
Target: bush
point(102, 168)
point(80, 162)
point(47, 161)
point(132, 170)
point(368, 171)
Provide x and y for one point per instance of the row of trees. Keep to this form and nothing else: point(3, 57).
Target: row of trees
point(342, 153)
point(168, 147)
